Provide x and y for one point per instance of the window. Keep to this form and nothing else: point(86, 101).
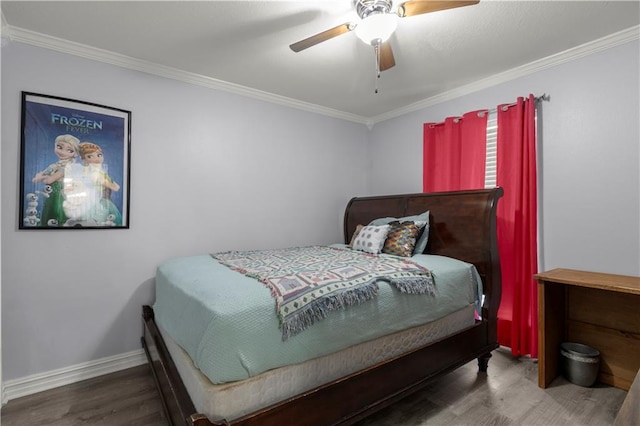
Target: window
point(492, 150)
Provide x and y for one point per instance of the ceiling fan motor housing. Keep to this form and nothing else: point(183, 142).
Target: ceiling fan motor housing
point(366, 8)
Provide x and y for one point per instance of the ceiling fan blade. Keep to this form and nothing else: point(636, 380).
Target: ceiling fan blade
point(323, 36)
point(386, 56)
point(417, 7)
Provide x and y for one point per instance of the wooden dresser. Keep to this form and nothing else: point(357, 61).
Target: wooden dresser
point(595, 309)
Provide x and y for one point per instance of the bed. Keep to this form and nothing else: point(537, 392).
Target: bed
point(347, 382)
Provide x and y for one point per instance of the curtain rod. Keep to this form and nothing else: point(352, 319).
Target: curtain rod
point(543, 97)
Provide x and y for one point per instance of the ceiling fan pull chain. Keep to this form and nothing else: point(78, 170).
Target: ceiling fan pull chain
point(376, 47)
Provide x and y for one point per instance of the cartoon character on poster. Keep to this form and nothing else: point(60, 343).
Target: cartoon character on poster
point(101, 209)
point(67, 183)
point(66, 148)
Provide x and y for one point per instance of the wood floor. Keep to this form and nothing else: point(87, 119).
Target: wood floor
point(507, 395)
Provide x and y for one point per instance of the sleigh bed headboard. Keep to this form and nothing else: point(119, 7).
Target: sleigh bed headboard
point(462, 225)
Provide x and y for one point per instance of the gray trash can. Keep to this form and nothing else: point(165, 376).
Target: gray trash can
point(580, 363)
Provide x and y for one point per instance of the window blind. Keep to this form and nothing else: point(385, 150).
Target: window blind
point(492, 150)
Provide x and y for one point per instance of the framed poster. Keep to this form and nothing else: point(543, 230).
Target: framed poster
point(74, 164)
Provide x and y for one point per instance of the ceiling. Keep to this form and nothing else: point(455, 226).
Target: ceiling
point(243, 46)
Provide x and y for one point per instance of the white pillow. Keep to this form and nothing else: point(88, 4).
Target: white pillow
point(371, 239)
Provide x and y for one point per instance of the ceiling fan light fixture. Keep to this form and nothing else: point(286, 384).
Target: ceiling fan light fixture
point(378, 26)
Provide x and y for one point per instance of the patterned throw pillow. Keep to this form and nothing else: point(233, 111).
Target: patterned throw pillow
point(422, 220)
point(355, 235)
point(371, 239)
point(401, 238)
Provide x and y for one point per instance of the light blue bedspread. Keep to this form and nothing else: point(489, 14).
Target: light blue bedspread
point(227, 322)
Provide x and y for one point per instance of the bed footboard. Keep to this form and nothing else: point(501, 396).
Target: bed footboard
point(175, 399)
point(344, 401)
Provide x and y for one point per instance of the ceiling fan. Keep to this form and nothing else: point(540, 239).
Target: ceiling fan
point(377, 23)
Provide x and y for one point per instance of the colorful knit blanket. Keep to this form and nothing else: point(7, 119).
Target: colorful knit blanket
point(309, 282)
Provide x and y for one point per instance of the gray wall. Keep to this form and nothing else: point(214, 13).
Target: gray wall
point(589, 157)
point(214, 171)
point(210, 171)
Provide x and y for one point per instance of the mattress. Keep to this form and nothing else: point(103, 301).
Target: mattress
point(227, 324)
point(232, 400)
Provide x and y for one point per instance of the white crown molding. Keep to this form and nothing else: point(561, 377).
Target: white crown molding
point(4, 30)
point(613, 40)
point(77, 49)
point(101, 55)
point(52, 379)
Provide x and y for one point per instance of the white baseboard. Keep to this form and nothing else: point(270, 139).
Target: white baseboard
point(17, 388)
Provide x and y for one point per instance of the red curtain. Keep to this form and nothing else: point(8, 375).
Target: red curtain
point(454, 159)
point(517, 226)
point(454, 153)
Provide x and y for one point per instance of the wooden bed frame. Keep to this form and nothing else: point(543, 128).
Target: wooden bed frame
point(463, 226)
